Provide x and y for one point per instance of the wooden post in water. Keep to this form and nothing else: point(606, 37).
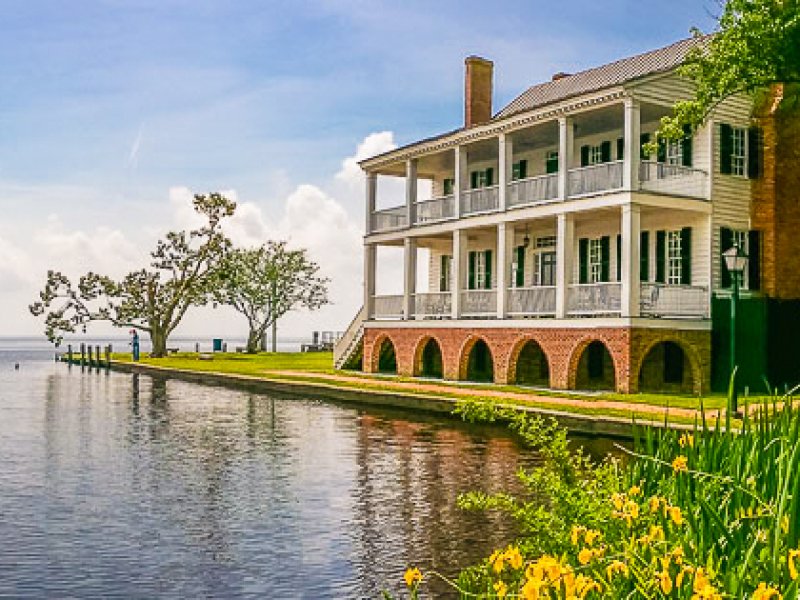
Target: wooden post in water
point(99, 357)
point(69, 354)
point(89, 357)
point(108, 357)
point(83, 355)
point(197, 347)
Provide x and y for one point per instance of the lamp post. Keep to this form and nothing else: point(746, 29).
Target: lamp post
point(736, 263)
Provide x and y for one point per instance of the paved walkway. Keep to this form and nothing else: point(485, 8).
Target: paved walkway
point(554, 401)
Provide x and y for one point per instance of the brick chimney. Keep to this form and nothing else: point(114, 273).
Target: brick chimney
point(477, 91)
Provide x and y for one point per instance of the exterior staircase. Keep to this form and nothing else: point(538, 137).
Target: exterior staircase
point(350, 344)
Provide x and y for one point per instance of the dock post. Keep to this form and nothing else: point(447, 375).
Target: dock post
point(98, 357)
point(197, 347)
point(83, 355)
point(108, 357)
point(89, 357)
point(69, 355)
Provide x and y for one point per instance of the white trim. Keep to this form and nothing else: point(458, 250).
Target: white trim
point(548, 323)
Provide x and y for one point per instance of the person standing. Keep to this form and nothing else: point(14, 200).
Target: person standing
point(135, 344)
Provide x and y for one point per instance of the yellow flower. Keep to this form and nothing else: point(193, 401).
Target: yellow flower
point(656, 532)
point(785, 524)
point(591, 536)
point(686, 440)
point(514, 558)
point(532, 588)
point(675, 515)
point(635, 491)
point(654, 503)
point(678, 554)
point(412, 576)
point(681, 463)
point(577, 530)
point(617, 566)
point(501, 589)
point(665, 581)
point(618, 500)
point(584, 556)
point(632, 508)
point(793, 554)
point(765, 592)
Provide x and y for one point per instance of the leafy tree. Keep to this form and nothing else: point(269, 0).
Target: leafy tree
point(182, 273)
point(756, 46)
point(267, 282)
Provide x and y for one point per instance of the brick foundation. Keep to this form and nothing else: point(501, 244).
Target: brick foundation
point(562, 347)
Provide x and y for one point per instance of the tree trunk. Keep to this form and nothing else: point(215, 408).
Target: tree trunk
point(254, 341)
point(159, 341)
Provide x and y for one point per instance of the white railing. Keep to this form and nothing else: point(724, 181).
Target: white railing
point(390, 218)
point(433, 305)
point(478, 303)
point(659, 300)
point(594, 298)
point(345, 346)
point(597, 178)
point(675, 180)
point(479, 200)
point(532, 301)
point(436, 209)
point(533, 190)
point(387, 307)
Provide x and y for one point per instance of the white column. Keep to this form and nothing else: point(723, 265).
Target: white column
point(633, 131)
point(411, 190)
point(409, 276)
point(505, 154)
point(372, 194)
point(461, 177)
point(370, 259)
point(459, 252)
point(631, 239)
point(503, 235)
point(565, 245)
point(565, 146)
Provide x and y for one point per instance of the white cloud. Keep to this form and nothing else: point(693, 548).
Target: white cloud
point(15, 269)
point(373, 144)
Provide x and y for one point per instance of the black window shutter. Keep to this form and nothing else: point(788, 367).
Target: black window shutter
point(605, 258)
point(725, 149)
point(754, 264)
point(644, 139)
point(644, 256)
point(443, 273)
point(620, 148)
point(725, 243)
point(686, 256)
point(473, 180)
point(487, 257)
point(449, 184)
point(489, 176)
point(583, 260)
point(471, 276)
point(520, 274)
point(686, 150)
point(755, 152)
point(662, 150)
point(515, 171)
point(605, 152)
point(619, 257)
point(661, 256)
point(551, 166)
point(584, 156)
point(523, 169)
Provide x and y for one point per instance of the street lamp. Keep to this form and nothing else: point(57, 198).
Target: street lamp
point(736, 263)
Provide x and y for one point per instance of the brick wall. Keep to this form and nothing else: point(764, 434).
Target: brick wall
point(565, 350)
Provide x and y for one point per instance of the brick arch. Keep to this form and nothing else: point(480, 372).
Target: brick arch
point(695, 364)
point(577, 353)
point(466, 349)
point(419, 347)
point(516, 350)
point(375, 355)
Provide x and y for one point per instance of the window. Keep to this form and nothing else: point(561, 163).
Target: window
point(741, 151)
point(595, 155)
point(445, 273)
point(546, 268)
point(674, 258)
point(482, 179)
point(750, 243)
point(675, 152)
point(449, 186)
point(551, 165)
point(738, 151)
point(519, 170)
point(546, 241)
point(595, 261)
point(480, 270)
point(518, 268)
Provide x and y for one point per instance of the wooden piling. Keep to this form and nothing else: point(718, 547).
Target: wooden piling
point(108, 357)
point(69, 354)
point(83, 355)
point(99, 357)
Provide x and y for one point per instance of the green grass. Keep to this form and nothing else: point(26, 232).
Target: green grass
point(242, 364)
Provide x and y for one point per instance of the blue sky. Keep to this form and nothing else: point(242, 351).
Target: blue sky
point(111, 109)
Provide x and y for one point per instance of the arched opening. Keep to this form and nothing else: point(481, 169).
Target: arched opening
point(431, 363)
point(595, 368)
point(387, 359)
point(666, 368)
point(480, 366)
point(532, 366)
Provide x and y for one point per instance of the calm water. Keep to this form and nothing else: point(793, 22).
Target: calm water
point(118, 485)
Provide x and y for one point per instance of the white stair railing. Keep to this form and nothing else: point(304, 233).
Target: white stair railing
point(348, 343)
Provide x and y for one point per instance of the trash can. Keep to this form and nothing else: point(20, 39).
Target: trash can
point(217, 344)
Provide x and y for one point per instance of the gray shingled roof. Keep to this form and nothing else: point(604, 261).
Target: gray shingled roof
point(599, 78)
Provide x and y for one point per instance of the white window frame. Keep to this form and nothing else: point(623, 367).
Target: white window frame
point(480, 270)
point(741, 239)
point(739, 151)
point(675, 152)
point(595, 257)
point(674, 258)
point(539, 260)
point(446, 263)
point(596, 155)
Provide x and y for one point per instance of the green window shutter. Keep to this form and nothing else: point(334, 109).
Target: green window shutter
point(523, 169)
point(644, 139)
point(619, 257)
point(620, 148)
point(551, 166)
point(686, 149)
point(661, 256)
point(444, 272)
point(585, 156)
point(686, 256)
point(471, 274)
point(489, 176)
point(661, 155)
point(605, 258)
point(725, 243)
point(473, 180)
point(449, 185)
point(605, 152)
point(520, 274)
point(755, 152)
point(725, 149)
point(487, 257)
point(515, 172)
point(754, 264)
point(644, 256)
point(583, 260)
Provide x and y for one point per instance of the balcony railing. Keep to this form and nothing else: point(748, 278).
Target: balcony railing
point(479, 200)
point(388, 219)
point(387, 307)
point(659, 300)
point(532, 301)
point(433, 305)
point(675, 180)
point(436, 209)
point(533, 190)
point(594, 298)
point(478, 303)
point(596, 178)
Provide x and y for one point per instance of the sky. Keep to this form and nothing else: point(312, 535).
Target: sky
point(114, 112)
